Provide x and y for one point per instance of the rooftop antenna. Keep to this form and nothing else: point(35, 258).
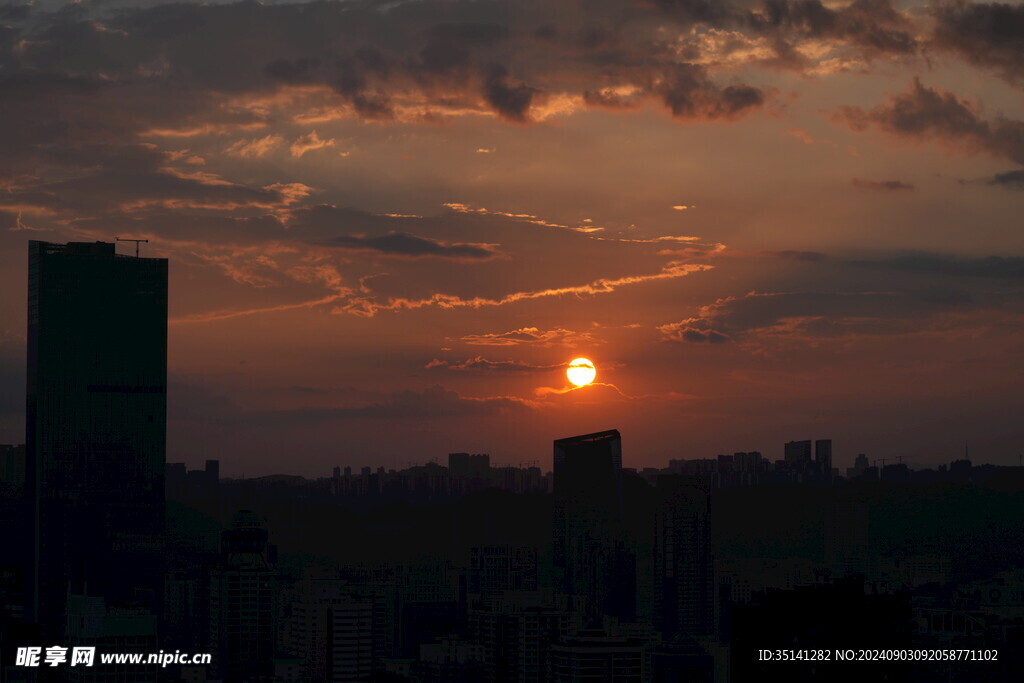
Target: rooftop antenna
point(137, 243)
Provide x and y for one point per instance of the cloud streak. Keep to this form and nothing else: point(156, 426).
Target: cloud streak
point(692, 330)
point(531, 336)
point(1012, 180)
point(404, 245)
point(369, 307)
point(481, 364)
point(881, 185)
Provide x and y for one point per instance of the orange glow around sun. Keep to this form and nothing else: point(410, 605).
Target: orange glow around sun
point(581, 372)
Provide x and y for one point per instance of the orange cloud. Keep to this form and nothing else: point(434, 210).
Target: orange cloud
point(309, 143)
point(529, 336)
point(367, 307)
point(254, 148)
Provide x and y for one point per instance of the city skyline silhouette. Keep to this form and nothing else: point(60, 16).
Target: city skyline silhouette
point(459, 341)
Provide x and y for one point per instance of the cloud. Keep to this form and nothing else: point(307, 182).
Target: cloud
point(511, 102)
point(1013, 180)
point(881, 185)
point(367, 306)
point(986, 34)
point(871, 27)
point(309, 143)
point(597, 393)
point(530, 336)
point(254, 148)
point(481, 364)
point(459, 207)
point(688, 93)
point(874, 26)
point(925, 113)
point(404, 245)
point(622, 98)
point(692, 330)
point(129, 178)
point(15, 12)
point(587, 227)
point(794, 255)
point(801, 135)
point(761, 309)
point(757, 317)
point(110, 69)
point(229, 313)
point(995, 267)
point(295, 254)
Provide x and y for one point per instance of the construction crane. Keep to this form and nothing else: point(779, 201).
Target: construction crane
point(137, 243)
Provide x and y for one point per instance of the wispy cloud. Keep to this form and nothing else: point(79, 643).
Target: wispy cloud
point(365, 306)
point(255, 147)
point(481, 364)
point(692, 330)
point(404, 245)
point(310, 143)
point(881, 185)
point(530, 336)
point(1012, 180)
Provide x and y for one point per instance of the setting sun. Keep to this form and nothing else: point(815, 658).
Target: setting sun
point(581, 372)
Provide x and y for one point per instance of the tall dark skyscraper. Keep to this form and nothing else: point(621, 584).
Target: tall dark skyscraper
point(591, 556)
point(242, 590)
point(684, 585)
point(96, 423)
point(823, 457)
point(798, 452)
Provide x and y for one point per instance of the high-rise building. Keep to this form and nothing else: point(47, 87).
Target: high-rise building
point(860, 465)
point(846, 540)
point(681, 658)
point(517, 630)
point(684, 585)
point(466, 465)
point(242, 588)
point(501, 567)
point(467, 473)
point(340, 631)
point(823, 457)
point(591, 556)
point(129, 630)
point(798, 451)
point(96, 424)
point(593, 655)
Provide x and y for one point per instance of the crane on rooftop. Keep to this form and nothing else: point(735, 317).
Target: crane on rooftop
point(137, 243)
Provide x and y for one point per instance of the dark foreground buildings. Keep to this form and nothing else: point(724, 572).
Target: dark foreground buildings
point(95, 426)
point(684, 581)
point(591, 556)
point(435, 574)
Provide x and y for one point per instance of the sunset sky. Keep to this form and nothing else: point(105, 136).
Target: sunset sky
point(391, 225)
